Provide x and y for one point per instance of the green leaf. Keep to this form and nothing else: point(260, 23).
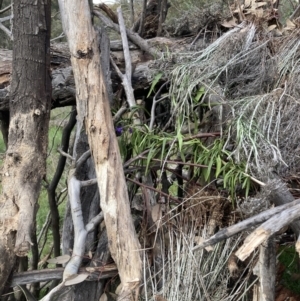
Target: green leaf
point(248, 186)
point(199, 94)
point(163, 149)
point(150, 156)
point(156, 79)
point(210, 164)
point(218, 165)
point(180, 141)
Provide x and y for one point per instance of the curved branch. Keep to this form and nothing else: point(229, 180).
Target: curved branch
point(65, 140)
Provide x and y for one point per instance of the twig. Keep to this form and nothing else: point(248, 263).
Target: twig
point(133, 36)
point(5, 9)
point(4, 19)
point(126, 78)
point(126, 164)
point(82, 159)
point(120, 112)
point(296, 13)
point(62, 35)
point(110, 13)
point(80, 231)
point(56, 289)
point(153, 189)
point(88, 182)
point(45, 226)
point(178, 162)
point(66, 154)
point(94, 222)
point(154, 105)
point(7, 31)
point(196, 38)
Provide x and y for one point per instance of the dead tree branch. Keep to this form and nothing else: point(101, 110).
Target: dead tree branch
point(267, 229)
point(95, 273)
point(134, 37)
point(246, 224)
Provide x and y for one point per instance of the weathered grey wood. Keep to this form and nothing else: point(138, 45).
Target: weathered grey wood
point(244, 225)
point(279, 195)
point(267, 229)
point(95, 274)
point(267, 269)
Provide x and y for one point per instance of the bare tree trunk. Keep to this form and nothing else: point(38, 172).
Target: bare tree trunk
point(24, 165)
point(94, 111)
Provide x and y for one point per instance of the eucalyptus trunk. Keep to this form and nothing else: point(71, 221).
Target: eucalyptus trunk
point(25, 160)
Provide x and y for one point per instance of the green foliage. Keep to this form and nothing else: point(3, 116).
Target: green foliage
point(156, 79)
point(54, 138)
point(5, 41)
point(290, 259)
point(2, 144)
point(210, 163)
point(56, 25)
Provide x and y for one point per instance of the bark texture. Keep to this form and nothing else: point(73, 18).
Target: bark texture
point(94, 112)
point(24, 165)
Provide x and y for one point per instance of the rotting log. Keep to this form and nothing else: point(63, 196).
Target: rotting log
point(94, 112)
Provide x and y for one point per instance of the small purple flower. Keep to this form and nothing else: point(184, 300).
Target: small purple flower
point(119, 130)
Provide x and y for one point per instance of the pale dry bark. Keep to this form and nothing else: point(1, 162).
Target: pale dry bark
point(94, 111)
point(267, 229)
point(25, 161)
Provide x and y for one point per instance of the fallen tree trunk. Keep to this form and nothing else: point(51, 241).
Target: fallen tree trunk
point(63, 85)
